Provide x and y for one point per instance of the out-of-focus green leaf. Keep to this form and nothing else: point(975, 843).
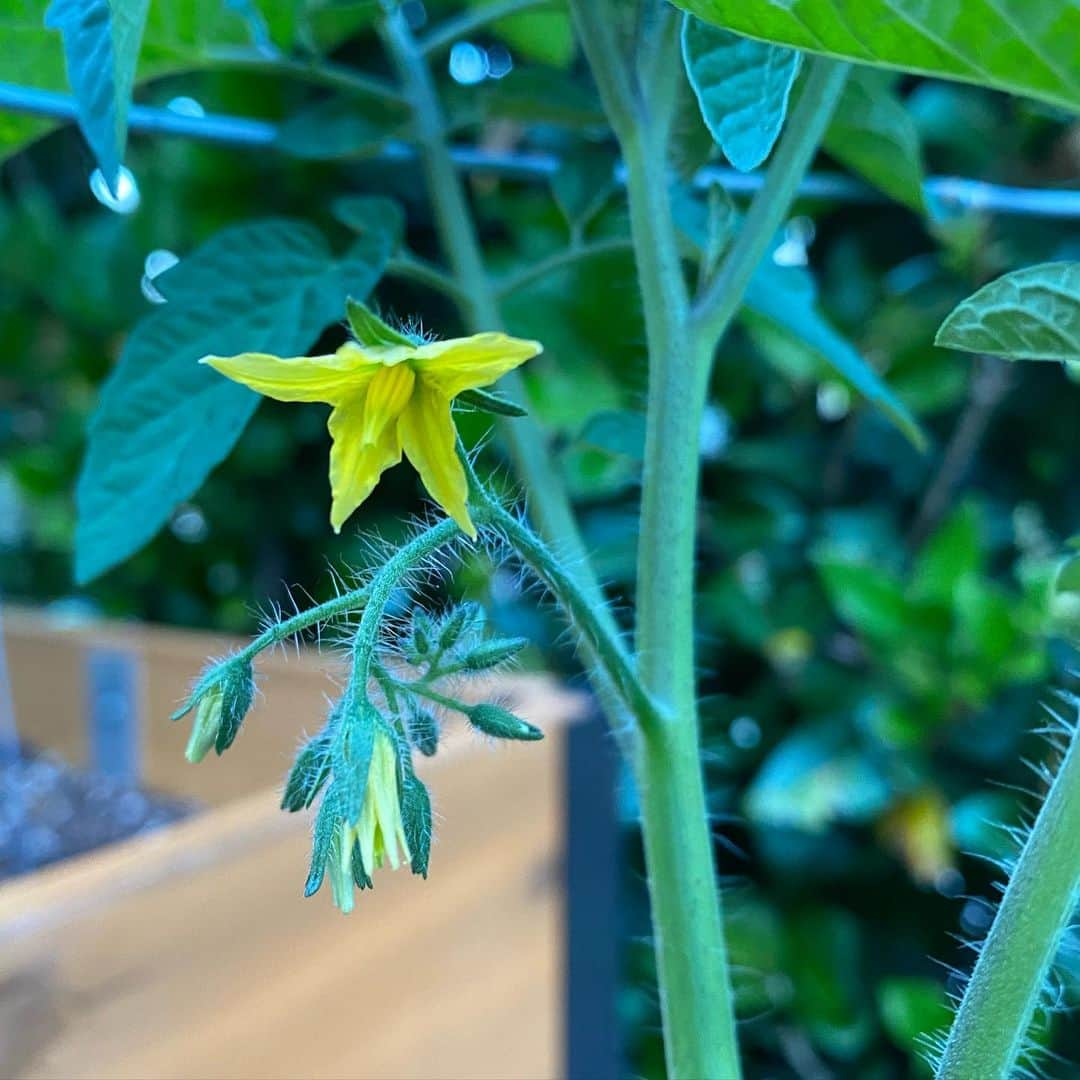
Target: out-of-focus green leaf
point(101, 47)
point(786, 297)
point(1031, 314)
point(534, 95)
point(812, 780)
point(543, 37)
point(1020, 46)
point(824, 961)
point(164, 420)
point(1068, 578)
point(621, 433)
point(953, 553)
point(872, 134)
point(866, 596)
point(179, 35)
point(742, 87)
point(912, 1009)
point(341, 127)
point(583, 184)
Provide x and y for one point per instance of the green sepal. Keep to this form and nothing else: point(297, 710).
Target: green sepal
point(351, 756)
point(309, 772)
point(369, 329)
point(424, 731)
point(489, 654)
point(238, 691)
point(326, 829)
point(421, 638)
point(360, 876)
point(462, 620)
point(500, 723)
point(415, 817)
point(490, 403)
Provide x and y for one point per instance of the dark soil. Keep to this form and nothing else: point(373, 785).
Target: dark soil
point(51, 811)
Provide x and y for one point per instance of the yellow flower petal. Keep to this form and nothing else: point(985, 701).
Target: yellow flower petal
point(301, 378)
point(356, 465)
point(428, 437)
point(467, 363)
point(387, 395)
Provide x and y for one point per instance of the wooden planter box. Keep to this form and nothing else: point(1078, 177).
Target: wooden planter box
point(190, 952)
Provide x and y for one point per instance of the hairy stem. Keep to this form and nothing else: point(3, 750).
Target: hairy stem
point(302, 620)
point(382, 586)
point(999, 1004)
point(695, 994)
point(609, 649)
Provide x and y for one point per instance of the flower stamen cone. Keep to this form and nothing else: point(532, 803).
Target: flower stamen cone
point(387, 399)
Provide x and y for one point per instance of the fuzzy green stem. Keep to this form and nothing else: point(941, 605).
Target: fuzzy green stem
point(391, 574)
point(525, 439)
point(302, 620)
point(695, 994)
point(999, 1004)
point(609, 649)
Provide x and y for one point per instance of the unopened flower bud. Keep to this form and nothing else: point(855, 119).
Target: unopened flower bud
point(221, 702)
point(500, 723)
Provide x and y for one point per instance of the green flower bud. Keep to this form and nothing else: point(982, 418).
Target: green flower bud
point(464, 619)
point(221, 701)
point(424, 731)
point(418, 648)
point(489, 654)
point(500, 723)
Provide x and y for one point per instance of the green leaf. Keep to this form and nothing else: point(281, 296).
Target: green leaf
point(372, 215)
point(341, 127)
point(369, 329)
point(955, 552)
point(583, 185)
point(742, 87)
point(872, 134)
point(485, 401)
point(1068, 577)
point(101, 47)
point(164, 421)
point(546, 37)
point(812, 780)
point(1020, 46)
point(867, 597)
point(786, 298)
point(1030, 314)
point(912, 1008)
point(618, 432)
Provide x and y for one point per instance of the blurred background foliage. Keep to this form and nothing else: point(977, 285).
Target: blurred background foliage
point(877, 627)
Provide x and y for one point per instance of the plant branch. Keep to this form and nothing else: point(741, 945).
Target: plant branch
point(382, 586)
point(411, 267)
point(803, 130)
point(989, 1031)
point(287, 628)
point(609, 648)
point(695, 994)
point(447, 32)
point(317, 71)
point(558, 261)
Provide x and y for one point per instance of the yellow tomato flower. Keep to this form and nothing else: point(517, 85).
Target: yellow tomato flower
point(379, 832)
point(386, 399)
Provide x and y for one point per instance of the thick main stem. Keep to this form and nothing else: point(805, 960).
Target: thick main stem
point(695, 995)
point(990, 1027)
